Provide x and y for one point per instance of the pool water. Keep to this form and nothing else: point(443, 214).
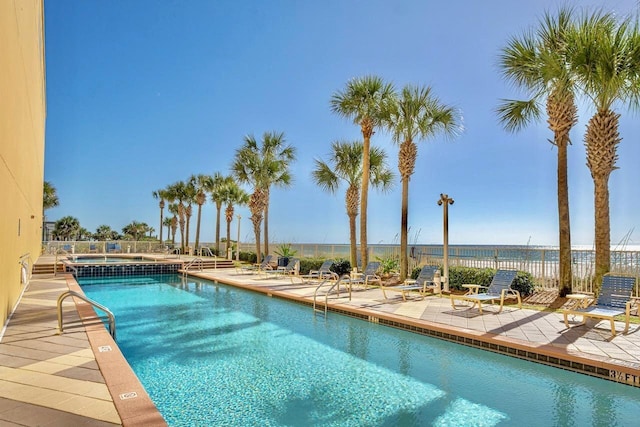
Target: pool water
point(213, 355)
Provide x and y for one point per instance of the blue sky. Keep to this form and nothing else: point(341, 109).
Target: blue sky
point(141, 94)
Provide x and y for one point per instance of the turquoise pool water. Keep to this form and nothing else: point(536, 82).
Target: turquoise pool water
point(109, 259)
point(212, 355)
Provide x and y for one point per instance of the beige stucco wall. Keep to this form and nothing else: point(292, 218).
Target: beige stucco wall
point(22, 127)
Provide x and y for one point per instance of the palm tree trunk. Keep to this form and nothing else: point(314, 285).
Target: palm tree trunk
point(353, 241)
point(218, 207)
point(404, 262)
point(602, 223)
point(198, 226)
point(161, 219)
point(367, 131)
point(564, 226)
point(266, 223)
point(228, 235)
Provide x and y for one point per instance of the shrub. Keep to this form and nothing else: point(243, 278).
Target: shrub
point(249, 257)
point(388, 264)
point(308, 264)
point(341, 266)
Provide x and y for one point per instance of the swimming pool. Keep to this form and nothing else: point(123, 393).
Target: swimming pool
point(209, 354)
point(97, 259)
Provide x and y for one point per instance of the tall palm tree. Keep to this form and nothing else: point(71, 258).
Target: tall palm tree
point(177, 195)
point(233, 195)
point(49, 196)
point(218, 182)
point(417, 114)
point(345, 164)
point(66, 228)
point(538, 62)
point(173, 209)
point(607, 61)
point(202, 184)
point(365, 100)
point(263, 165)
point(167, 223)
point(190, 199)
point(160, 195)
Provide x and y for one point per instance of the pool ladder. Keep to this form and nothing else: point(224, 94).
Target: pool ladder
point(198, 261)
point(110, 316)
point(334, 285)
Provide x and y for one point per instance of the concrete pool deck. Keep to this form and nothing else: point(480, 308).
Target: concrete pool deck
point(81, 378)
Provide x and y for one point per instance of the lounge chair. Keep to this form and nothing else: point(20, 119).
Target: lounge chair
point(499, 289)
point(614, 300)
point(420, 284)
point(259, 267)
point(368, 276)
point(291, 269)
point(324, 272)
point(93, 248)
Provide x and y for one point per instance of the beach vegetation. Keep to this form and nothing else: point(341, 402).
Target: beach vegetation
point(365, 101)
point(345, 164)
point(417, 114)
point(538, 62)
point(66, 228)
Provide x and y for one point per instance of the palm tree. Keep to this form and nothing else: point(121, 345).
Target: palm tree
point(607, 61)
point(218, 182)
point(417, 114)
point(161, 196)
point(177, 195)
point(345, 164)
point(365, 100)
point(49, 196)
point(263, 166)
point(233, 195)
point(174, 208)
point(66, 227)
point(190, 199)
point(167, 223)
point(202, 184)
point(538, 63)
point(135, 230)
point(104, 232)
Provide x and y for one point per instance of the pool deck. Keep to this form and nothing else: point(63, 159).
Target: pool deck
point(81, 378)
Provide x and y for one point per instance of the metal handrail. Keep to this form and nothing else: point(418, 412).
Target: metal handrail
point(326, 295)
point(190, 263)
point(112, 318)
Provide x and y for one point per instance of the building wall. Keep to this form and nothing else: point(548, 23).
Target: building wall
point(22, 130)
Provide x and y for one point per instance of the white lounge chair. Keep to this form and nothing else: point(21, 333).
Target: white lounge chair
point(420, 284)
point(368, 276)
point(499, 289)
point(324, 272)
point(614, 300)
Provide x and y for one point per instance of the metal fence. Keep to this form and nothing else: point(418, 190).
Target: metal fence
point(542, 263)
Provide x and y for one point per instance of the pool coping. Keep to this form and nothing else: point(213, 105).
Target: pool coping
point(132, 402)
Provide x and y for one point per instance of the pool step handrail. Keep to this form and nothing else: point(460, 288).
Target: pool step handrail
point(334, 285)
point(61, 298)
point(191, 263)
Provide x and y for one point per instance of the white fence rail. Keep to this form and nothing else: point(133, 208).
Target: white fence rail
point(542, 263)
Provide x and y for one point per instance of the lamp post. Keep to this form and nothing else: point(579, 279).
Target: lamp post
point(445, 201)
point(238, 241)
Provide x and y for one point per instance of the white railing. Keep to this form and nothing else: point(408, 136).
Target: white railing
point(542, 263)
